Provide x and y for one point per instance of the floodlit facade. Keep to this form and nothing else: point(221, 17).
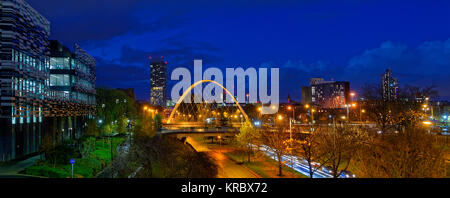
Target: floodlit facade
point(326, 94)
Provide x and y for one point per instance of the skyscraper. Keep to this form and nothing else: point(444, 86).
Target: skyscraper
point(389, 86)
point(24, 74)
point(158, 82)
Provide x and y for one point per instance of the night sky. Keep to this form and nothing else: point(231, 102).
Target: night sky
point(342, 40)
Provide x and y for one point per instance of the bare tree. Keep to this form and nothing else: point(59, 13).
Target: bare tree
point(339, 146)
point(308, 148)
point(411, 153)
point(277, 142)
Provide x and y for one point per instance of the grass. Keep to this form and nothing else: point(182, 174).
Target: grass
point(84, 167)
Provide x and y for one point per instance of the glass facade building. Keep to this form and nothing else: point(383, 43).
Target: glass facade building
point(45, 89)
point(24, 74)
point(71, 91)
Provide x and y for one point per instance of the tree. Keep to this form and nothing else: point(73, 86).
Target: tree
point(145, 126)
point(339, 146)
point(410, 153)
point(247, 137)
point(47, 147)
point(158, 122)
point(277, 142)
point(122, 124)
point(114, 106)
point(92, 128)
point(87, 147)
point(309, 149)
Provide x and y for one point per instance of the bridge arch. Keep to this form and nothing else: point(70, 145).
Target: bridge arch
point(194, 85)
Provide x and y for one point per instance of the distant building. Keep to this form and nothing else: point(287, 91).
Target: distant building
point(306, 95)
point(389, 86)
point(326, 94)
point(24, 74)
point(158, 82)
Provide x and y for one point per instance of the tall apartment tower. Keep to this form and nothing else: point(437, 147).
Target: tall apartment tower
point(24, 74)
point(158, 82)
point(389, 86)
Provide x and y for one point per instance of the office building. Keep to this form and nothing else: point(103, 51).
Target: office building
point(72, 91)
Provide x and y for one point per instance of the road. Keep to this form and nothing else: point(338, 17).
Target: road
point(299, 165)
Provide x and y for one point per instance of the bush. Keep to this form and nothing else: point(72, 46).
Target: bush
point(46, 172)
point(61, 154)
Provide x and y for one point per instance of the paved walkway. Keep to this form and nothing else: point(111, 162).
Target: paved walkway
point(227, 168)
point(12, 170)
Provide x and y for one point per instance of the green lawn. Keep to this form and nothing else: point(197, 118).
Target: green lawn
point(84, 167)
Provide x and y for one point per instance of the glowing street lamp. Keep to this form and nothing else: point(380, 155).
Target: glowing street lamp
point(427, 123)
point(280, 117)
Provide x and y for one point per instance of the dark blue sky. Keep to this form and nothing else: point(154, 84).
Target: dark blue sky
point(344, 40)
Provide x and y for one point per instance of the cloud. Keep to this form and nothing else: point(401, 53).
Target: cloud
point(426, 64)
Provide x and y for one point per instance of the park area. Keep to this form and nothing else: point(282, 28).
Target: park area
point(88, 163)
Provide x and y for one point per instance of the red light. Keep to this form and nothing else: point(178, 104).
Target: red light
point(165, 62)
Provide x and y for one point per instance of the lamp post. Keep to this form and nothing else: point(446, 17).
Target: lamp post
point(347, 106)
point(291, 120)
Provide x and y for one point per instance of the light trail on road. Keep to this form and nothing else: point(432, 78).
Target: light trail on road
point(297, 165)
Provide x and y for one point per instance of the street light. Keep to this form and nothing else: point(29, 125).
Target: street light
point(293, 118)
point(280, 117)
point(427, 123)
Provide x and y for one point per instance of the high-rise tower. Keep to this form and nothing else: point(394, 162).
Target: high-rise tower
point(389, 86)
point(158, 82)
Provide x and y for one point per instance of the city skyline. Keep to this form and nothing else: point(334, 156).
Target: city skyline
point(349, 41)
point(105, 107)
